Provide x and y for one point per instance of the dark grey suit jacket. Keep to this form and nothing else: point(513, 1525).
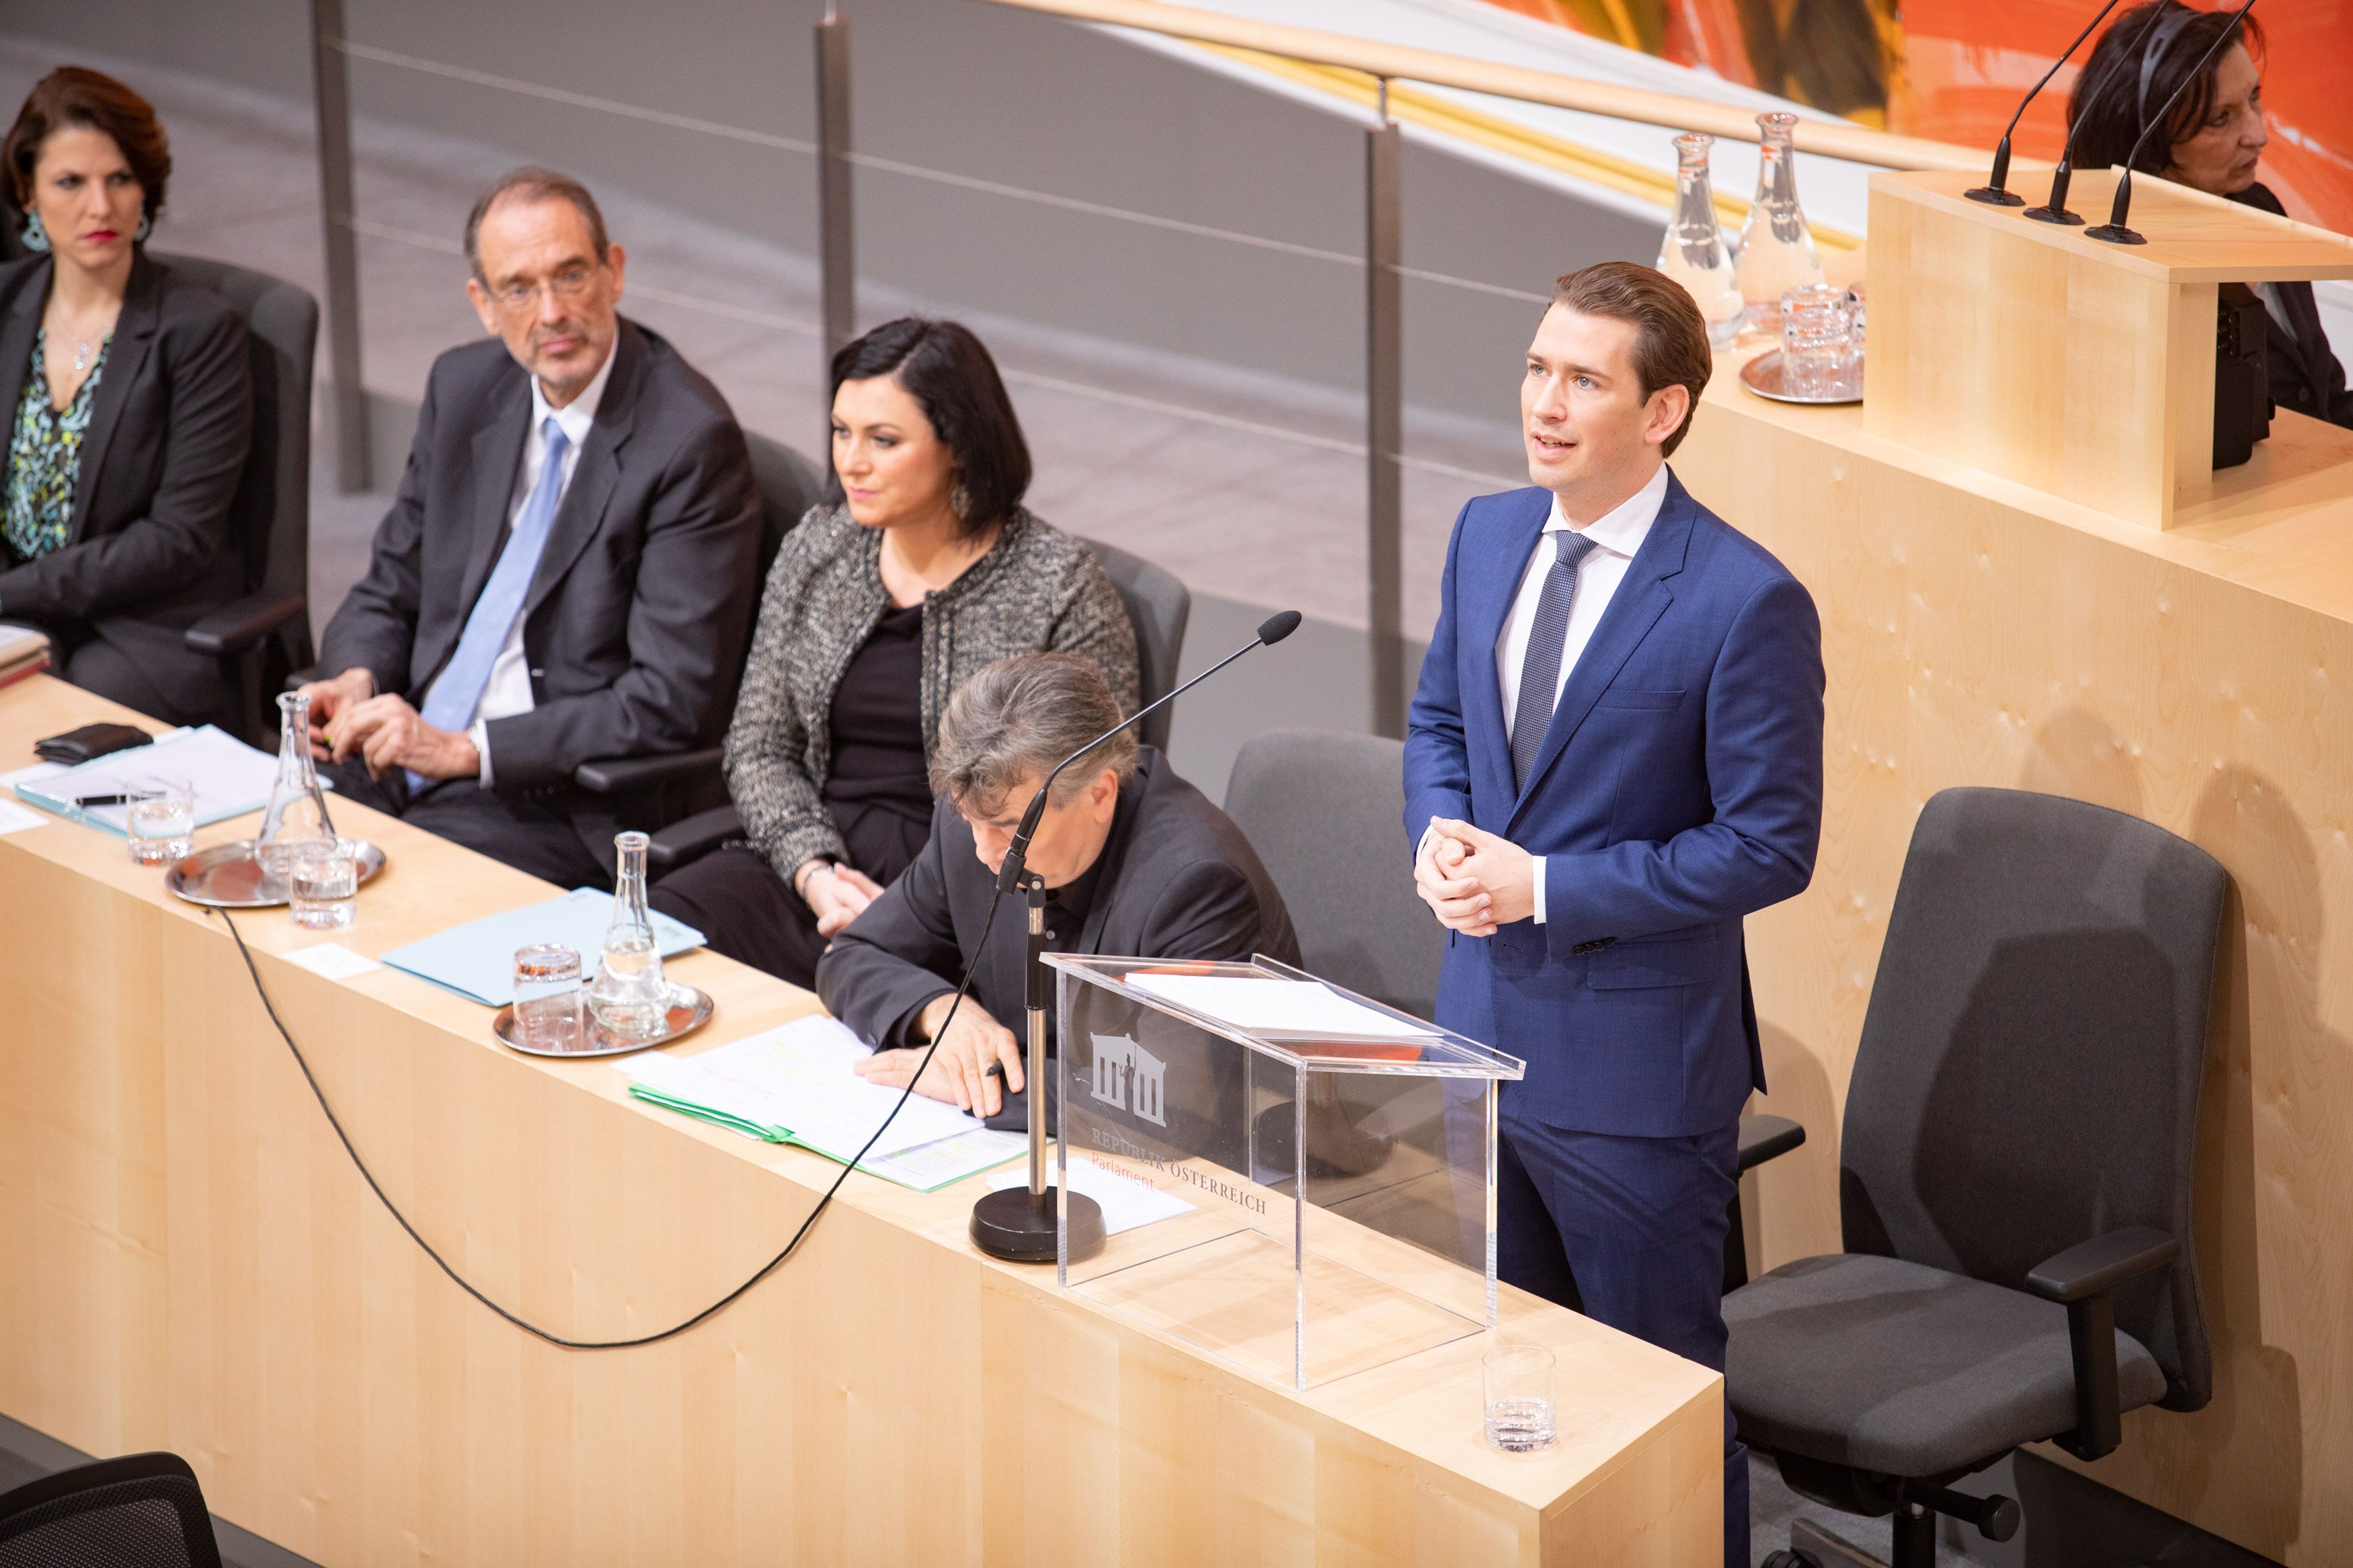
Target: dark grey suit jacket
point(635, 624)
point(170, 423)
point(1178, 880)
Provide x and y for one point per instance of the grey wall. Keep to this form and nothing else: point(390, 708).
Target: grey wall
point(975, 90)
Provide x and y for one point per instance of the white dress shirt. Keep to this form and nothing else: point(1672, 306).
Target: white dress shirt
point(508, 691)
point(1617, 534)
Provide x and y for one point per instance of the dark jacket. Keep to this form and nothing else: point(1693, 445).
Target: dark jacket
point(1035, 589)
point(1679, 789)
point(170, 423)
point(2304, 373)
point(635, 624)
point(1176, 880)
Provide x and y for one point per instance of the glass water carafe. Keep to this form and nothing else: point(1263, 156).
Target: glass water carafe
point(1694, 252)
point(629, 998)
point(298, 806)
point(1777, 248)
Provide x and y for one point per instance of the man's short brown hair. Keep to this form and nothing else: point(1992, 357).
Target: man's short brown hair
point(532, 183)
point(1671, 347)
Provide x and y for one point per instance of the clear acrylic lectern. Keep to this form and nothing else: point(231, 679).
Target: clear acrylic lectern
point(1334, 1160)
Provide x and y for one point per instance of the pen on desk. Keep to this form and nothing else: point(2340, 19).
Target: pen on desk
point(85, 801)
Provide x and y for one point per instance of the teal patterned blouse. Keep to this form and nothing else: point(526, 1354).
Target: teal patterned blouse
point(45, 458)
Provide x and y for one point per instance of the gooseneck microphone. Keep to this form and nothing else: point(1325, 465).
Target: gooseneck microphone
point(2115, 231)
point(1036, 1223)
point(1993, 192)
point(1271, 630)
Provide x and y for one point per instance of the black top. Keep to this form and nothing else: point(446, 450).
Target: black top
point(2303, 371)
point(879, 790)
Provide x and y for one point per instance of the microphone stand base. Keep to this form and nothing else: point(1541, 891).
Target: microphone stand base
point(2054, 214)
point(2116, 233)
point(1994, 196)
point(1016, 1227)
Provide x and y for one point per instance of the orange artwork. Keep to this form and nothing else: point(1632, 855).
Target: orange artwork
point(1954, 69)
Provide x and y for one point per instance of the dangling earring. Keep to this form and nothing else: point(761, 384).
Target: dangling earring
point(36, 237)
point(146, 226)
point(960, 502)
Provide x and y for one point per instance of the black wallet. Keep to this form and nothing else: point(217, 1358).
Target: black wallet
point(89, 741)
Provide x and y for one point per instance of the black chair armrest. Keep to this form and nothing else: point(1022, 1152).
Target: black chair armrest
point(298, 678)
point(2084, 1278)
point(238, 625)
point(626, 776)
point(2096, 1267)
point(1764, 1138)
point(693, 837)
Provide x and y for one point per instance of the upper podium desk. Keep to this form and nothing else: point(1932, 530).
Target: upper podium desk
point(192, 1263)
point(1979, 631)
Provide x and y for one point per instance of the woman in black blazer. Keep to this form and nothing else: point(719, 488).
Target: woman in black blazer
point(2211, 142)
point(126, 394)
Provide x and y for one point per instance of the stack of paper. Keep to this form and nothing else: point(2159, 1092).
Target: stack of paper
point(477, 959)
point(24, 651)
point(228, 777)
point(1274, 1006)
point(797, 1085)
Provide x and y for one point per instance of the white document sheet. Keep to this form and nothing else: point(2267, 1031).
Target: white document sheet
point(331, 961)
point(1278, 1006)
point(798, 1078)
point(1127, 1203)
point(15, 818)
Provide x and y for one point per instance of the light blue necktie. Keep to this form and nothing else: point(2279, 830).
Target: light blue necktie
point(458, 690)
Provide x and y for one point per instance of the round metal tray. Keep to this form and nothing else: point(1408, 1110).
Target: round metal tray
point(1762, 375)
point(227, 876)
point(690, 1009)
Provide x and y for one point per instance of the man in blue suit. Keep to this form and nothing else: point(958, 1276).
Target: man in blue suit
point(1615, 755)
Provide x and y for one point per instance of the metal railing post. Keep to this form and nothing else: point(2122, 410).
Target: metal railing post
point(836, 255)
point(1383, 422)
point(332, 93)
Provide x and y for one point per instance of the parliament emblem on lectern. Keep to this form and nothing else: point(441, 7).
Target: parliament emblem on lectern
point(1128, 1075)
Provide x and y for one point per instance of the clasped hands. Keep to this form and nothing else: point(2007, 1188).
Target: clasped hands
point(1473, 881)
point(348, 717)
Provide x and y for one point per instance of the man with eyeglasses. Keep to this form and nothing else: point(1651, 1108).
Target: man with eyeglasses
point(568, 572)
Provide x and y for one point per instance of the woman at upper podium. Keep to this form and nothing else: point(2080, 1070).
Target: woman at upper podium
point(924, 567)
point(129, 406)
point(2211, 142)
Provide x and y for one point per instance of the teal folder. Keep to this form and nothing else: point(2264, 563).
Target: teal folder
point(476, 960)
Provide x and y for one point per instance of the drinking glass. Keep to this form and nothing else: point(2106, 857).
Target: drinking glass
point(1520, 1412)
point(159, 814)
point(547, 997)
point(322, 882)
point(1817, 339)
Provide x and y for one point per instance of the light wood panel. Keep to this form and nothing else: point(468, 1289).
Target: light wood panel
point(1977, 631)
point(2073, 365)
point(194, 1265)
point(1396, 62)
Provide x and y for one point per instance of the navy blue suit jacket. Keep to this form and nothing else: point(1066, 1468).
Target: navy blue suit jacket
point(1679, 788)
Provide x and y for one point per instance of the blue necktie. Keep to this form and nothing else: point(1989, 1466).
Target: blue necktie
point(458, 690)
point(1547, 643)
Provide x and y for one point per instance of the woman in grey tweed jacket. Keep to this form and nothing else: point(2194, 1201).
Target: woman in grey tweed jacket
point(925, 568)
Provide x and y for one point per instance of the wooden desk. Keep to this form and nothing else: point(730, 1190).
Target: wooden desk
point(1981, 632)
point(192, 1263)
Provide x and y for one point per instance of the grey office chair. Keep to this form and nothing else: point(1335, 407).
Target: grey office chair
point(1326, 811)
point(1158, 606)
point(145, 1509)
point(789, 486)
point(2014, 1175)
point(264, 636)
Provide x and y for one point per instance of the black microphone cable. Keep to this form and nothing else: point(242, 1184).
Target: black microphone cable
point(467, 1286)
